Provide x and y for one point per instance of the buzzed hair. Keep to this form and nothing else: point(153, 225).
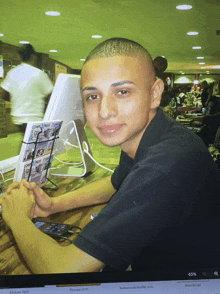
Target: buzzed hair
point(120, 47)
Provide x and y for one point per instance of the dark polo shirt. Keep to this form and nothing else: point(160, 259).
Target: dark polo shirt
point(166, 212)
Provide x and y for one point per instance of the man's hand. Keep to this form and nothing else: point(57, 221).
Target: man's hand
point(43, 203)
point(17, 205)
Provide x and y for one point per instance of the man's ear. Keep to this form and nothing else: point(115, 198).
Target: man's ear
point(156, 92)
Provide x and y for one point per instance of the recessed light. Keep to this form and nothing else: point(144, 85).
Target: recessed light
point(196, 47)
point(202, 63)
point(24, 42)
point(183, 7)
point(96, 37)
point(82, 59)
point(200, 57)
point(52, 13)
point(1, 35)
point(192, 33)
point(53, 50)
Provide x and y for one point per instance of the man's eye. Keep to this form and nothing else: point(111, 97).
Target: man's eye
point(92, 97)
point(122, 92)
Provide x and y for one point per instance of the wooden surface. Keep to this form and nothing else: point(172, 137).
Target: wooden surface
point(11, 261)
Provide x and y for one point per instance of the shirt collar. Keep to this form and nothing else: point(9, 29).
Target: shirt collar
point(152, 134)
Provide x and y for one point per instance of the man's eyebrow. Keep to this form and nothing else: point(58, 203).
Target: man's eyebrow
point(112, 85)
point(89, 89)
point(121, 83)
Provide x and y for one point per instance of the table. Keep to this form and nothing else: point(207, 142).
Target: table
point(11, 260)
point(188, 119)
point(182, 109)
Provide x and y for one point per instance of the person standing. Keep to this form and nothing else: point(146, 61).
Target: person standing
point(206, 93)
point(27, 88)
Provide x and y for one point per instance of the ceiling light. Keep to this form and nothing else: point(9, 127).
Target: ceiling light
point(24, 42)
point(53, 50)
point(183, 7)
point(96, 37)
point(200, 57)
point(1, 35)
point(202, 63)
point(82, 59)
point(52, 13)
point(196, 47)
point(192, 33)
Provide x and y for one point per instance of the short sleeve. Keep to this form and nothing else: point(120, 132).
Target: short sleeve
point(46, 85)
point(152, 196)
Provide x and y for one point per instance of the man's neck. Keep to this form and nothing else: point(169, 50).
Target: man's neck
point(131, 146)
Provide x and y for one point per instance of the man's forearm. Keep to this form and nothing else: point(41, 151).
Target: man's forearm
point(45, 256)
point(95, 193)
point(35, 246)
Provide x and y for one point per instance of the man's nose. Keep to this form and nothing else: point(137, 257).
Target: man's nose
point(108, 107)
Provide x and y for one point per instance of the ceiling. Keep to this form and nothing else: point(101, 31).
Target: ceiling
point(155, 24)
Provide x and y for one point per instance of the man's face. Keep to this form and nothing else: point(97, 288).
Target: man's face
point(117, 96)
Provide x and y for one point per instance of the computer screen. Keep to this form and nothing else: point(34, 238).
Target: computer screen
point(66, 105)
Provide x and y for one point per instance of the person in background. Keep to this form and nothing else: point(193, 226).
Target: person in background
point(27, 88)
point(206, 93)
point(160, 65)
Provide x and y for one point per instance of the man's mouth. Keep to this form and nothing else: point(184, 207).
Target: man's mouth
point(110, 129)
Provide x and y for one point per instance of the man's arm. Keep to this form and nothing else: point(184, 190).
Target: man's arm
point(43, 254)
point(5, 95)
point(95, 193)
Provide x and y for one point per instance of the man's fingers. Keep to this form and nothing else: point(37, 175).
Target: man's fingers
point(22, 187)
point(34, 188)
point(15, 185)
point(31, 186)
point(31, 194)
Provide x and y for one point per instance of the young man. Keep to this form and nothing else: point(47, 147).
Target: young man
point(163, 198)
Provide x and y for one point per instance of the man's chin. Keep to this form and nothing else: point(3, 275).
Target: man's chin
point(109, 144)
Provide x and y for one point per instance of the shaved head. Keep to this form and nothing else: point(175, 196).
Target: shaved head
point(123, 47)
